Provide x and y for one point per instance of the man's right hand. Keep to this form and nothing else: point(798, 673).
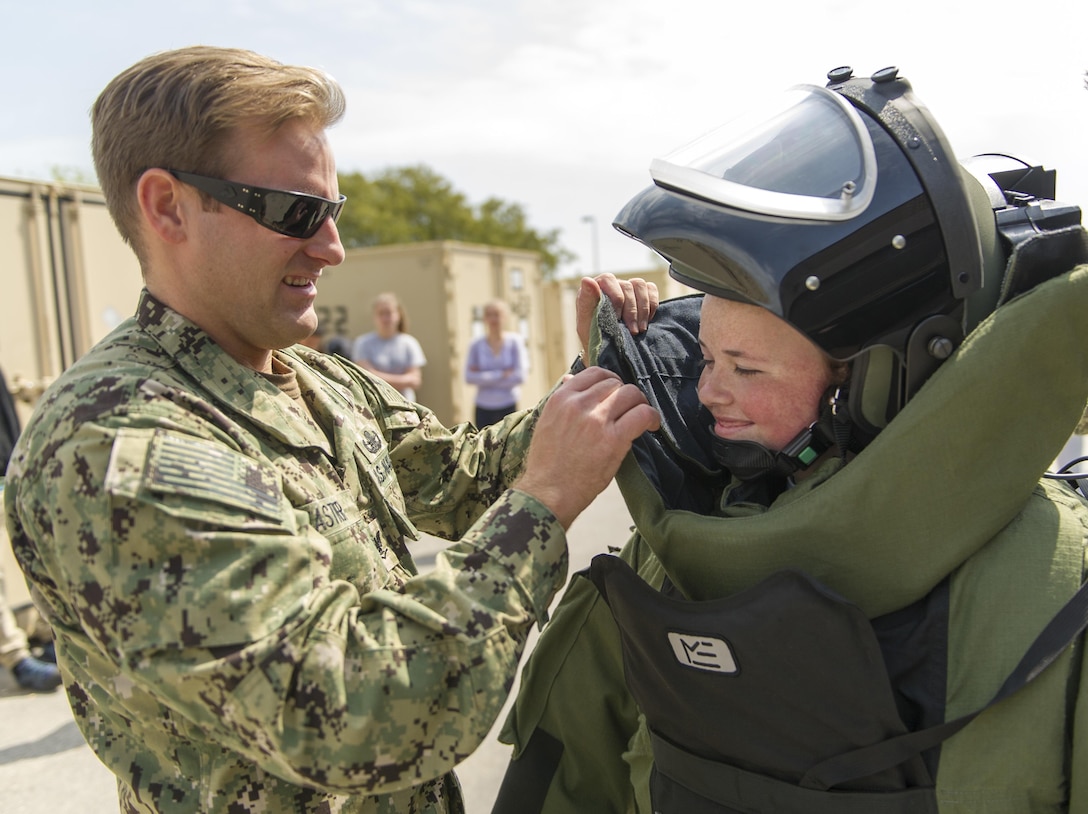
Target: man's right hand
point(586, 427)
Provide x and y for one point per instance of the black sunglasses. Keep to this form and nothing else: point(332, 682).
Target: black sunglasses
point(294, 214)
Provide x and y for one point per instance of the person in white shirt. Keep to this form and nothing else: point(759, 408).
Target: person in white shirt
point(389, 351)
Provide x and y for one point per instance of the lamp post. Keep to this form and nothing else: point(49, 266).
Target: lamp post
point(592, 221)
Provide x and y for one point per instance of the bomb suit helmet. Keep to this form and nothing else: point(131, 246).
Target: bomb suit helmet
point(842, 210)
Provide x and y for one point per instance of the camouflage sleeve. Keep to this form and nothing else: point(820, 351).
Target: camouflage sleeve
point(210, 615)
point(447, 475)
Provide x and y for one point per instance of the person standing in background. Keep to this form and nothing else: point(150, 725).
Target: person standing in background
point(389, 351)
point(30, 672)
point(497, 363)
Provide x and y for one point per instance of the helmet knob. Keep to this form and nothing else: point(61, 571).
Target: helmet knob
point(885, 75)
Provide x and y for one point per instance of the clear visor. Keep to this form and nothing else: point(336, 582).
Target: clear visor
point(806, 155)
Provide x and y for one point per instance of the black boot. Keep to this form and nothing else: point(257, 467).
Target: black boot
point(36, 675)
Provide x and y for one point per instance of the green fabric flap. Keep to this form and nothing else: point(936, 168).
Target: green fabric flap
point(953, 468)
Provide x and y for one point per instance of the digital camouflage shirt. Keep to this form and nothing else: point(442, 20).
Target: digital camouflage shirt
point(238, 619)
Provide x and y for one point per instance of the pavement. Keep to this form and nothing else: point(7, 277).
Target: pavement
point(46, 768)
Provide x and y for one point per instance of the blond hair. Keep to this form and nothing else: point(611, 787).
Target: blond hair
point(391, 299)
point(177, 110)
point(502, 307)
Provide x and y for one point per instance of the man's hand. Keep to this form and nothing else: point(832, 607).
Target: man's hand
point(635, 301)
point(584, 431)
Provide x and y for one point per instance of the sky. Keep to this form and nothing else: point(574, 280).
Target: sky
point(560, 105)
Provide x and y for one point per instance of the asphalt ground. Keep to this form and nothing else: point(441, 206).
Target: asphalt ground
point(46, 768)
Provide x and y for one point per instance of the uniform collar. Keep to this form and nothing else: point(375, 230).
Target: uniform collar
point(235, 388)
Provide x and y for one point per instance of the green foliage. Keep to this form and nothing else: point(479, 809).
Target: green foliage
point(71, 175)
point(414, 204)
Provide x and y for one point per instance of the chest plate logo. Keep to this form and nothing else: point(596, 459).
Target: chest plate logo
point(703, 652)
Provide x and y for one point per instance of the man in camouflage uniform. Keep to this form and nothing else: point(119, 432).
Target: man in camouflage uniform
point(215, 522)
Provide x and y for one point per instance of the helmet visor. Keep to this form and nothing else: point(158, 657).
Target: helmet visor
point(806, 155)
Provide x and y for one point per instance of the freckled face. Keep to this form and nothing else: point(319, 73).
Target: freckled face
point(762, 380)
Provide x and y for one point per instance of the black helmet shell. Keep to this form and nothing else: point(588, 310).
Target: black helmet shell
point(849, 281)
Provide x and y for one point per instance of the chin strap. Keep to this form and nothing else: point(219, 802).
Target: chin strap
point(748, 460)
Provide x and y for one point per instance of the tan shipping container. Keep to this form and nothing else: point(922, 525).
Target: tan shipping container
point(443, 286)
point(69, 279)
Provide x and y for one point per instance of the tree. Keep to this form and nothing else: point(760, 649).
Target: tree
point(71, 175)
point(412, 204)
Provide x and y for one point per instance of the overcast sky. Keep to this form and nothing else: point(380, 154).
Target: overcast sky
point(559, 105)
